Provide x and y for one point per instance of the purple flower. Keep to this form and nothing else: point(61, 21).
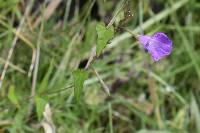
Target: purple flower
point(159, 45)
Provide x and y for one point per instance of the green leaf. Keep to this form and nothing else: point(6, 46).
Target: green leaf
point(12, 96)
point(40, 105)
point(104, 36)
point(43, 86)
point(79, 77)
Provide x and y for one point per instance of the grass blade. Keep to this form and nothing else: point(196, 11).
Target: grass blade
point(79, 77)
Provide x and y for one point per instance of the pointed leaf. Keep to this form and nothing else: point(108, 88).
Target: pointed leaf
point(104, 35)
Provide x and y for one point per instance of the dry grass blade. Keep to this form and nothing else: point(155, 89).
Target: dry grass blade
point(36, 67)
point(48, 11)
point(48, 124)
point(5, 122)
point(105, 87)
point(15, 67)
point(92, 55)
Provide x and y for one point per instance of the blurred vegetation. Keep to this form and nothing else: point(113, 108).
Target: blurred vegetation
point(55, 38)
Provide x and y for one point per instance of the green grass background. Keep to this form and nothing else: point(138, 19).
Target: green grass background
point(146, 96)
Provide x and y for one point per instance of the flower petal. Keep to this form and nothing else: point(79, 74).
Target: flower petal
point(159, 45)
point(162, 37)
point(144, 40)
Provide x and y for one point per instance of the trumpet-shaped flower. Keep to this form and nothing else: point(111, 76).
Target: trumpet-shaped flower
point(159, 45)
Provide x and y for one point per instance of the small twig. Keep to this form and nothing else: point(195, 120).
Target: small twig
point(91, 58)
point(105, 87)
